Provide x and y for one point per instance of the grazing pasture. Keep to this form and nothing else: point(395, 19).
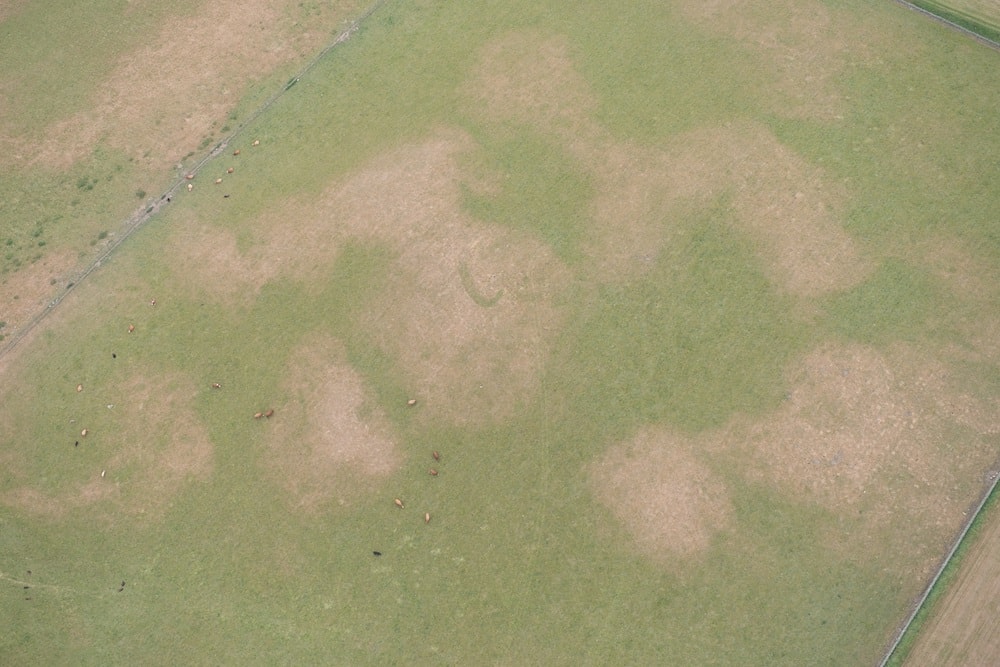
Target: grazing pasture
point(104, 104)
point(524, 334)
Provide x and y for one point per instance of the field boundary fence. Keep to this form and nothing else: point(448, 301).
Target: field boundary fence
point(983, 39)
point(994, 478)
point(143, 215)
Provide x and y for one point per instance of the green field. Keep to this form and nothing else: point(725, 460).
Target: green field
point(698, 306)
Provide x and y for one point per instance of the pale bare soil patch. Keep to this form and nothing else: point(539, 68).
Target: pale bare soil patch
point(964, 627)
point(331, 442)
point(890, 439)
point(670, 501)
point(791, 207)
point(155, 445)
point(158, 102)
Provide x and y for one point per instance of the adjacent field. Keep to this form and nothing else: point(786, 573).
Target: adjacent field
point(986, 10)
point(672, 328)
point(963, 628)
point(979, 16)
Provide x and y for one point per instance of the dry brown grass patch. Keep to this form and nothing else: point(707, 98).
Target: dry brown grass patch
point(159, 101)
point(968, 277)
point(529, 77)
point(331, 442)
point(790, 206)
point(891, 437)
point(299, 240)
point(208, 261)
point(291, 241)
point(10, 8)
point(670, 501)
point(972, 281)
point(471, 314)
point(805, 44)
point(794, 209)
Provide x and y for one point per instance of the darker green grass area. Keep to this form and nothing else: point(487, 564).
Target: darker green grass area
point(64, 210)
point(541, 190)
point(780, 596)
point(899, 302)
point(698, 338)
point(911, 170)
point(656, 74)
point(346, 111)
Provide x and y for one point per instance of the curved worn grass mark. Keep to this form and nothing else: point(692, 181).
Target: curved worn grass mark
point(469, 285)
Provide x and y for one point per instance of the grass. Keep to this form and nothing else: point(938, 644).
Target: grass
point(520, 564)
point(973, 16)
point(57, 59)
point(655, 77)
point(897, 303)
point(943, 584)
point(64, 209)
point(698, 339)
point(47, 83)
point(538, 184)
